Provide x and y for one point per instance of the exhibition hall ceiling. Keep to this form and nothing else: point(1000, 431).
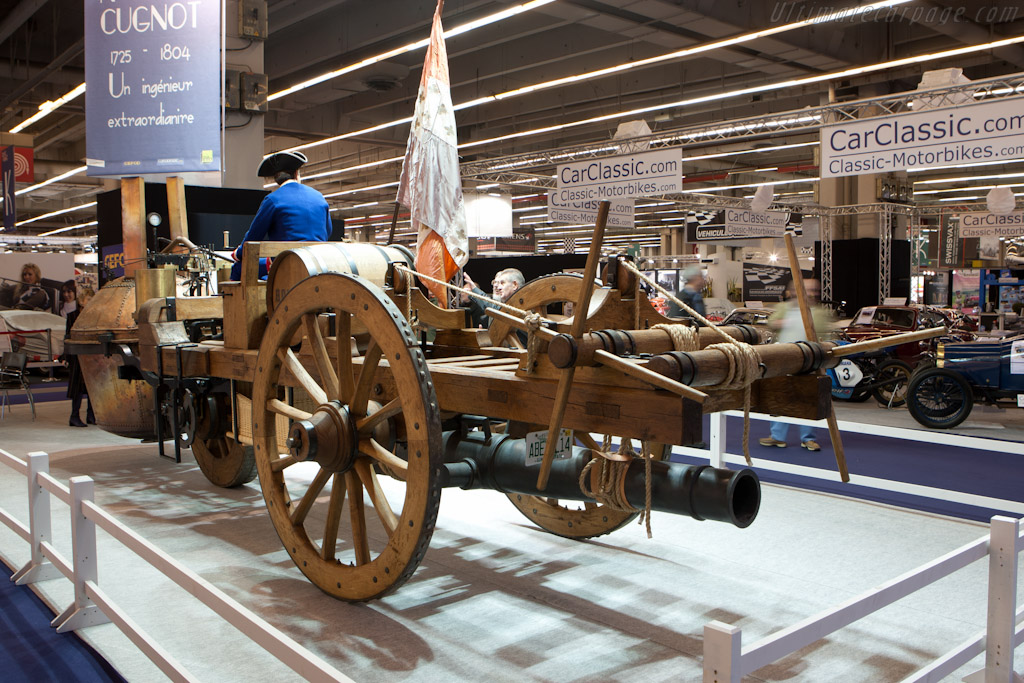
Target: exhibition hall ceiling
point(557, 75)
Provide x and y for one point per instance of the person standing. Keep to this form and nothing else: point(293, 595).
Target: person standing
point(291, 213)
point(690, 294)
point(788, 320)
point(505, 284)
point(68, 298)
point(76, 382)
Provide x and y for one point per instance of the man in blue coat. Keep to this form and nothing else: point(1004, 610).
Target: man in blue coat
point(291, 213)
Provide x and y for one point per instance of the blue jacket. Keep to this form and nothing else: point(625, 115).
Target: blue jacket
point(291, 213)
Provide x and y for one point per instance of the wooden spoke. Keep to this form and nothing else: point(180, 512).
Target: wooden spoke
point(291, 361)
point(380, 502)
point(366, 425)
point(329, 545)
point(357, 512)
point(328, 376)
point(281, 408)
point(371, 448)
point(362, 391)
point(310, 496)
point(343, 328)
point(282, 463)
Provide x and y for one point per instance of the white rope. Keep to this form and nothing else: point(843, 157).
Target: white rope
point(684, 337)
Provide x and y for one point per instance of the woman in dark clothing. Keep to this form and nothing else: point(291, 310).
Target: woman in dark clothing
point(76, 383)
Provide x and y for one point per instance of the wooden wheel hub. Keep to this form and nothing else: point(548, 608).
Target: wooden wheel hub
point(327, 437)
point(330, 437)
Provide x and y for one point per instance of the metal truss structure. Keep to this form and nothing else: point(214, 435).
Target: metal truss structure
point(800, 120)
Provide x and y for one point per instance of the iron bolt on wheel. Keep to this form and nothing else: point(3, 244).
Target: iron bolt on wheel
point(896, 375)
point(939, 398)
point(313, 464)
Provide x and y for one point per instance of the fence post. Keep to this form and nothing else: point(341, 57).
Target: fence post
point(38, 568)
point(1002, 603)
point(722, 644)
point(717, 443)
point(83, 611)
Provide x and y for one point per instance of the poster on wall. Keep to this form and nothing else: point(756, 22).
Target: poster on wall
point(153, 87)
point(967, 290)
point(765, 283)
point(949, 243)
point(669, 279)
point(32, 281)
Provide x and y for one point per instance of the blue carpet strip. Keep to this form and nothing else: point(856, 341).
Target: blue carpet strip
point(967, 470)
point(32, 651)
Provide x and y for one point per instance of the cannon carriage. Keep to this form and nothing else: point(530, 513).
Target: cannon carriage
point(357, 401)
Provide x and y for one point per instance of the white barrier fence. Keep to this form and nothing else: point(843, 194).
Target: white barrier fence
point(92, 606)
point(725, 658)
point(718, 457)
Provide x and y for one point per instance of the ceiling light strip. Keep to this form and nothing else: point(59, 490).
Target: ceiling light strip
point(48, 106)
point(55, 213)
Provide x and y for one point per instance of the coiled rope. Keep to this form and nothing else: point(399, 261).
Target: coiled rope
point(611, 478)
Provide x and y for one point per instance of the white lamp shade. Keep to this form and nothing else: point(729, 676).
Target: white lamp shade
point(762, 198)
point(1001, 200)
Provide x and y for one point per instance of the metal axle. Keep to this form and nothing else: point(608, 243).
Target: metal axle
point(482, 461)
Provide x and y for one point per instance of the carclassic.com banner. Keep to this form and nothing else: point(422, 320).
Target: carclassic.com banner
point(987, 131)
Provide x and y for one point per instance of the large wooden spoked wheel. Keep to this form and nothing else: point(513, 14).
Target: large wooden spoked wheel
point(222, 460)
point(535, 296)
point(576, 519)
point(354, 533)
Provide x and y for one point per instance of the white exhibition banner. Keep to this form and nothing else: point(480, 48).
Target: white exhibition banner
point(985, 224)
point(628, 175)
point(621, 212)
point(986, 131)
point(488, 215)
point(749, 223)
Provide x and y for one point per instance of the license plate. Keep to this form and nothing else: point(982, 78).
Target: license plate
point(535, 442)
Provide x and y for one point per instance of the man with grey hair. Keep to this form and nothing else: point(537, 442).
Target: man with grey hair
point(506, 283)
point(690, 294)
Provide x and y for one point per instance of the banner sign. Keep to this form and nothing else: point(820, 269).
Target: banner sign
point(984, 224)
point(24, 169)
point(112, 262)
point(7, 179)
point(523, 240)
point(731, 224)
point(627, 175)
point(949, 244)
point(765, 283)
point(986, 131)
point(621, 212)
point(153, 87)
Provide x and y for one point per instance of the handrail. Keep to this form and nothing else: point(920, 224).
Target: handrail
point(726, 660)
point(92, 605)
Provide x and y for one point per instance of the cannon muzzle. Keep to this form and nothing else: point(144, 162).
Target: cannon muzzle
point(478, 460)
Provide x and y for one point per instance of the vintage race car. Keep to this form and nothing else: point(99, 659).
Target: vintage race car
point(986, 370)
point(872, 322)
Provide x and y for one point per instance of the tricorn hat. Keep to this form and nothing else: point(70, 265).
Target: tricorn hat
point(281, 161)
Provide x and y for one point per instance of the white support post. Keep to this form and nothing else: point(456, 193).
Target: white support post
point(722, 646)
point(717, 443)
point(38, 568)
point(83, 611)
point(1002, 604)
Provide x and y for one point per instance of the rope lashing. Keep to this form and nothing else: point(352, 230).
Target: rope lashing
point(740, 374)
point(611, 478)
point(684, 337)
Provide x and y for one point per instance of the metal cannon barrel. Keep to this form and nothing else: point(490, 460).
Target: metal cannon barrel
point(702, 492)
point(368, 261)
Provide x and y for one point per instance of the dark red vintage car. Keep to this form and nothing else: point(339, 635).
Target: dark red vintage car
point(872, 322)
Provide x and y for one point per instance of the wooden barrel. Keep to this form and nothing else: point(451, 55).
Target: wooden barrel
point(368, 261)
